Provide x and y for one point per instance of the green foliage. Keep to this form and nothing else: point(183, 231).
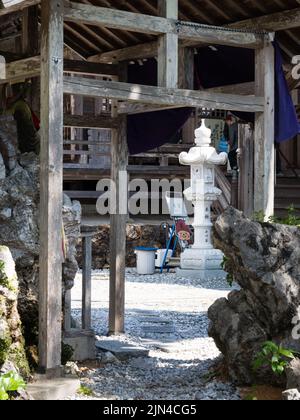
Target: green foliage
point(10, 382)
point(291, 220)
point(259, 216)
point(67, 353)
point(87, 392)
point(225, 266)
point(274, 356)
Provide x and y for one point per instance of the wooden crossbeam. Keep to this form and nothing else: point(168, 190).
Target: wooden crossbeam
point(31, 67)
point(274, 22)
point(281, 21)
point(91, 121)
point(153, 25)
point(11, 6)
point(161, 96)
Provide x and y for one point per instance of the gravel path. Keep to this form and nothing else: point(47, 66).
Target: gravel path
point(179, 361)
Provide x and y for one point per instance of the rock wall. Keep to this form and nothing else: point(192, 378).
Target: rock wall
point(19, 230)
point(264, 260)
point(12, 350)
point(137, 235)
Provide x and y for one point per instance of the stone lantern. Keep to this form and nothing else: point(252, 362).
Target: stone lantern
point(201, 260)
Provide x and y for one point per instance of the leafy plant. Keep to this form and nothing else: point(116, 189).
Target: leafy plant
point(274, 356)
point(10, 382)
point(87, 392)
point(259, 216)
point(291, 220)
point(230, 279)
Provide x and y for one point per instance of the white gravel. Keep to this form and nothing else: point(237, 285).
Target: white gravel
point(179, 364)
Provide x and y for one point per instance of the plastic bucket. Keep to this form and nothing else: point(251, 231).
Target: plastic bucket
point(145, 260)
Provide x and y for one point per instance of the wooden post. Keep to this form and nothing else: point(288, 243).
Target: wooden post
point(186, 81)
point(168, 47)
point(50, 283)
point(118, 222)
point(86, 279)
point(264, 154)
point(246, 177)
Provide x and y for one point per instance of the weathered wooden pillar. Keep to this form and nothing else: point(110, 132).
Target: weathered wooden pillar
point(87, 234)
point(264, 149)
point(50, 283)
point(246, 172)
point(186, 81)
point(119, 157)
point(168, 47)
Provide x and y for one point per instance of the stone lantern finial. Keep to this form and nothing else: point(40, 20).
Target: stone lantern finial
point(203, 135)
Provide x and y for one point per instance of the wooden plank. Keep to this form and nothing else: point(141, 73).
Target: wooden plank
point(136, 22)
point(168, 47)
point(281, 21)
point(87, 282)
point(31, 67)
point(90, 121)
point(89, 68)
point(161, 96)
point(11, 6)
point(118, 231)
point(51, 178)
point(147, 50)
point(264, 153)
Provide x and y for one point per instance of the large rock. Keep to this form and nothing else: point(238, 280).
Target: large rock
point(2, 168)
point(293, 375)
point(264, 260)
point(19, 230)
point(12, 352)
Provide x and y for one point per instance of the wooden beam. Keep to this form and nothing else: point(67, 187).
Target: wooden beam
point(51, 179)
point(287, 19)
point(161, 96)
point(135, 22)
point(147, 50)
point(89, 69)
point(31, 67)
point(11, 6)
point(168, 47)
point(91, 121)
point(264, 150)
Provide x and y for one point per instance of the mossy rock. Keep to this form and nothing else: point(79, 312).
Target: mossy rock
point(12, 346)
point(8, 276)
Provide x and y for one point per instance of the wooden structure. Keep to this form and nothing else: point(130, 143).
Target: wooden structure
point(104, 35)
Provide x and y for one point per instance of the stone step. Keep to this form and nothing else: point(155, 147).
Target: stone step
point(159, 329)
point(123, 351)
point(154, 320)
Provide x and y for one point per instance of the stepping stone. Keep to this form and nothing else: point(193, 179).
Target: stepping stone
point(159, 329)
point(167, 346)
point(123, 351)
point(145, 312)
point(153, 320)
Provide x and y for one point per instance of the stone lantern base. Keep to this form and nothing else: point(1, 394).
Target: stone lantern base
point(202, 264)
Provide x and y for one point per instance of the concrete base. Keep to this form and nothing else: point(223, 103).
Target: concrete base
point(83, 344)
point(202, 274)
point(44, 389)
